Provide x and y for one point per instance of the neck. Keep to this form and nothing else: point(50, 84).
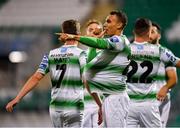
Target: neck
point(119, 32)
point(71, 42)
point(141, 39)
point(157, 42)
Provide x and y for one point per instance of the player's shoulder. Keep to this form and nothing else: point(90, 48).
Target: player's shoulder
point(116, 38)
point(163, 48)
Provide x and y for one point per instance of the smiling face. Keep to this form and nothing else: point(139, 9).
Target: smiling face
point(112, 25)
point(94, 29)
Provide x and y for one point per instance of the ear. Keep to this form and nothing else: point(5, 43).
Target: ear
point(159, 36)
point(119, 26)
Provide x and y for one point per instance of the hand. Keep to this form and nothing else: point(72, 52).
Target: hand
point(11, 104)
point(63, 36)
point(162, 94)
point(98, 33)
point(100, 116)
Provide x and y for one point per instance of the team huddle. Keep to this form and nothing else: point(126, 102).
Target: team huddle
point(114, 83)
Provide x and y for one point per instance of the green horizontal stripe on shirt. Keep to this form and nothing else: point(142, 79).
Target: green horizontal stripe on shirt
point(110, 67)
point(106, 87)
point(142, 58)
point(68, 104)
point(140, 97)
point(160, 77)
point(89, 98)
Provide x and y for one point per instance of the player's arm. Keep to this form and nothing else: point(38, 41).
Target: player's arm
point(178, 64)
point(28, 86)
point(94, 42)
point(115, 42)
point(31, 83)
point(170, 83)
point(169, 58)
point(112, 43)
point(97, 99)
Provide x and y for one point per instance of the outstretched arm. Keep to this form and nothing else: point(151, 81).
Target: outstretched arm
point(172, 80)
point(89, 41)
point(114, 42)
point(28, 86)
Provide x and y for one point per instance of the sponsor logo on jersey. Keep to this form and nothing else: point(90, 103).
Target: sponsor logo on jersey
point(62, 55)
point(140, 47)
point(63, 49)
point(43, 66)
point(114, 39)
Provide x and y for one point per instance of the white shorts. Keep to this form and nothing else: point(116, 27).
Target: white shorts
point(115, 110)
point(164, 109)
point(66, 118)
point(90, 117)
point(143, 114)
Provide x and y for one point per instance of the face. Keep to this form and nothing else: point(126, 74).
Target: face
point(94, 30)
point(155, 36)
point(112, 25)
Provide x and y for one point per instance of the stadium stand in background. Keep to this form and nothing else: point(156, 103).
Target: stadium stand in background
point(28, 26)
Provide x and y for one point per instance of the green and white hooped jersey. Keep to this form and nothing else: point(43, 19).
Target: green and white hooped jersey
point(65, 65)
point(89, 102)
point(161, 80)
point(104, 72)
point(143, 70)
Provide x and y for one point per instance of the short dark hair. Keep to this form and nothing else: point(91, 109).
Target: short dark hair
point(93, 21)
point(157, 26)
point(71, 27)
point(142, 26)
point(121, 16)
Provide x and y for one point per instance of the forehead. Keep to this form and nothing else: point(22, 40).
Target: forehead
point(111, 18)
point(154, 28)
point(94, 25)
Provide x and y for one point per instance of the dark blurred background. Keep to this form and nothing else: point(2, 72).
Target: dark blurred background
point(27, 30)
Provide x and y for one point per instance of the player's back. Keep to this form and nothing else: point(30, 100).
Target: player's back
point(64, 65)
point(142, 71)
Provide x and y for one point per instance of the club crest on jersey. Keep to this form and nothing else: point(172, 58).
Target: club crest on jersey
point(140, 47)
point(63, 49)
point(114, 39)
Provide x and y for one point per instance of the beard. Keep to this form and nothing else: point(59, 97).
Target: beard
point(155, 41)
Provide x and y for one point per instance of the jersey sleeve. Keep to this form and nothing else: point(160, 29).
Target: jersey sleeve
point(91, 53)
point(116, 42)
point(168, 57)
point(44, 65)
point(112, 43)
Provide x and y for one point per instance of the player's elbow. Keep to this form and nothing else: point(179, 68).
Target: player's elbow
point(37, 76)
